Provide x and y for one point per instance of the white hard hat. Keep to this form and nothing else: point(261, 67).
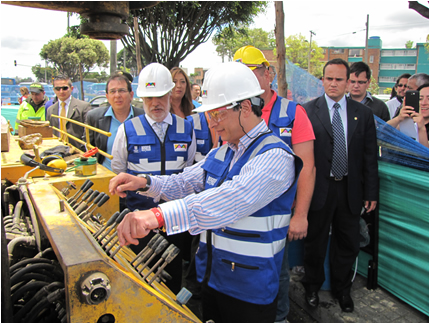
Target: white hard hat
point(154, 81)
point(228, 83)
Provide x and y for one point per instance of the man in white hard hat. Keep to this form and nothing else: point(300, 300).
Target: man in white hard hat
point(289, 121)
point(156, 143)
point(238, 198)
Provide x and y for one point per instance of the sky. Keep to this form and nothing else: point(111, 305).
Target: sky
point(24, 31)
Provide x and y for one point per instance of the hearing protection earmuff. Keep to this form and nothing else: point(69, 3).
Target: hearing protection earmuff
point(52, 165)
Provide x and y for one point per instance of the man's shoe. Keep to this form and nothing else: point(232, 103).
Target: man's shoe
point(346, 303)
point(312, 299)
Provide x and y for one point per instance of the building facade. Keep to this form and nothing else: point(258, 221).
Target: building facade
point(386, 63)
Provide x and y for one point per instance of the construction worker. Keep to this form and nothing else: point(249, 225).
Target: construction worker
point(242, 210)
point(156, 143)
point(34, 106)
point(290, 123)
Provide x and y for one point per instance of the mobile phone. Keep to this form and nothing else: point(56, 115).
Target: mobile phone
point(412, 100)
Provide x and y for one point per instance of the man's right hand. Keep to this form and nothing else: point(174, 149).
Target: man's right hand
point(125, 182)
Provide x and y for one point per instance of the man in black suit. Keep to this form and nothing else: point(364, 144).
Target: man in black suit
point(119, 93)
point(360, 79)
point(346, 147)
point(69, 107)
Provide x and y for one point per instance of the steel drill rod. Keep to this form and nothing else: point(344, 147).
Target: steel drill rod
point(78, 191)
point(116, 251)
point(149, 245)
point(109, 223)
point(168, 258)
point(162, 245)
point(149, 252)
point(114, 238)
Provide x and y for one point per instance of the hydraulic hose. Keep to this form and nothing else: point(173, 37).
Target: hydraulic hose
point(45, 302)
point(27, 287)
point(25, 262)
point(11, 245)
point(24, 191)
point(33, 268)
point(29, 277)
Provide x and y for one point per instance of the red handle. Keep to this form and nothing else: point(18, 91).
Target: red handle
point(91, 152)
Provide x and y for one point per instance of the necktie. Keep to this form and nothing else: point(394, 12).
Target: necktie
point(339, 158)
point(159, 131)
point(62, 122)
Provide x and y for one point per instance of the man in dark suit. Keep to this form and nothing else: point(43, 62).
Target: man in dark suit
point(69, 107)
point(345, 154)
point(360, 79)
point(119, 93)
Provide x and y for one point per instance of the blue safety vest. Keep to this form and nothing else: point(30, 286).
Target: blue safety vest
point(146, 153)
point(202, 135)
point(281, 119)
point(243, 260)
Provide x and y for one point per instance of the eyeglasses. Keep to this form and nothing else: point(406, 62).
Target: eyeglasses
point(120, 91)
point(58, 88)
point(360, 82)
point(218, 115)
point(401, 85)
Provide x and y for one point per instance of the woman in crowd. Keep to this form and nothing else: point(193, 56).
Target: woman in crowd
point(181, 99)
point(24, 93)
point(422, 118)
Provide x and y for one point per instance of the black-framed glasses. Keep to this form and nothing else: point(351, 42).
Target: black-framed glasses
point(360, 82)
point(120, 91)
point(401, 85)
point(58, 88)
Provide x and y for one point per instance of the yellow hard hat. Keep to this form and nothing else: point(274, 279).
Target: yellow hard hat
point(250, 56)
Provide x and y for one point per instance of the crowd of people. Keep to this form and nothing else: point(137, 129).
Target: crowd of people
point(244, 171)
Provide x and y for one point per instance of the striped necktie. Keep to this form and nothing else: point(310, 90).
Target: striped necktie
point(339, 158)
point(159, 131)
point(63, 122)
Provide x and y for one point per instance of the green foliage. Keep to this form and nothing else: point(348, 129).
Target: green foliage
point(130, 61)
point(297, 48)
point(66, 54)
point(409, 44)
point(98, 77)
point(171, 30)
point(427, 43)
point(387, 90)
point(39, 73)
point(373, 86)
point(229, 40)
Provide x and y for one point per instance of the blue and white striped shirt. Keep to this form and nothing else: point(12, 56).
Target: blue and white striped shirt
point(261, 180)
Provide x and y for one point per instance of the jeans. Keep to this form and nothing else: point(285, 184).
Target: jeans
point(283, 295)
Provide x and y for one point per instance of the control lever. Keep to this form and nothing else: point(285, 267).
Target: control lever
point(168, 256)
point(71, 199)
point(84, 197)
point(149, 245)
point(86, 188)
point(149, 252)
point(83, 205)
point(103, 199)
point(161, 246)
point(109, 223)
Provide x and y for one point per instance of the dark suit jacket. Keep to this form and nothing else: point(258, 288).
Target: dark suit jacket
point(362, 153)
point(379, 108)
point(77, 111)
point(97, 119)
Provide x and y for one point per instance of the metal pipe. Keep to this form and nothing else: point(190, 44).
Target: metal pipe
point(24, 190)
point(11, 245)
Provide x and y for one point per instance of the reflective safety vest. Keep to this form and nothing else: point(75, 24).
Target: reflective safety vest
point(147, 154)
point(26, 111)
point(243, 260)
point(281, 119)
point(202, 135)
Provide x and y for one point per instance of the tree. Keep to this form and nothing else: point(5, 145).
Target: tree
point(409, 44)
point(387, 90)
point(297, 48)
point(39, 73)
point(373, 86)
point(67, 54)
point(130, 61)
point(427, 43)
point(171, 30)
point(229, 40)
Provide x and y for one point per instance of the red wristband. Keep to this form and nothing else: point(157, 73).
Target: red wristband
point(158, 216)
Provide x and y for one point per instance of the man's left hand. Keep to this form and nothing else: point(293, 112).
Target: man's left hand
point(136, 225)
point(370, 206)
point(297, 228)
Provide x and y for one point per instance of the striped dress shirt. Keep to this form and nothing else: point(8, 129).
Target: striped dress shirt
point(261, 180)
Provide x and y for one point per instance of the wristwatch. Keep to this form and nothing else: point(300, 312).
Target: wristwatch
point(148, 181)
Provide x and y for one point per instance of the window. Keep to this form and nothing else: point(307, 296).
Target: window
point(371, 59)
point(387, 79)
point(387, 53)
point(355, 52)
point(338, 51)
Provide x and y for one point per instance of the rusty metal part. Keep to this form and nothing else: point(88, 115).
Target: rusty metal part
point(104, 17)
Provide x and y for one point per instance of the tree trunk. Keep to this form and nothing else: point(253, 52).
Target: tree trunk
point(281, 49)
point(137, 38)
